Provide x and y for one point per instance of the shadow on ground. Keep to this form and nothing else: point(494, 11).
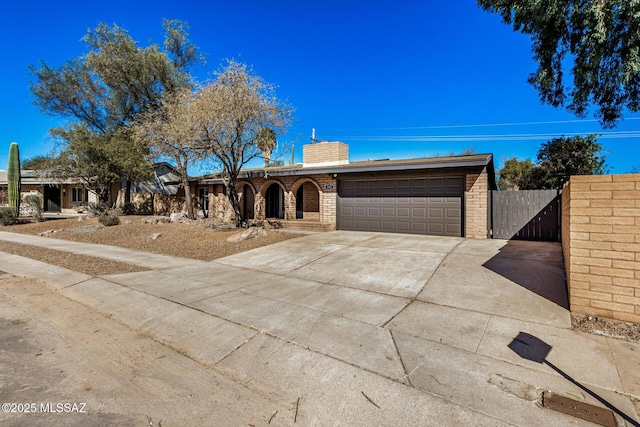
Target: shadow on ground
point(521, 262)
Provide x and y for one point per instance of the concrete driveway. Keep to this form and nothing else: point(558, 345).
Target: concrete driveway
point(374, 329)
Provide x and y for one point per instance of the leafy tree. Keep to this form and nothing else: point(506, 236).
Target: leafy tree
point(88, 155)
point(234, 110)
point(173, 131)
point(560, 158)
point(601, 37)
point(557, 160)
point(266, 143)
point(37, 162)
point(103, 92)
point(516, 175)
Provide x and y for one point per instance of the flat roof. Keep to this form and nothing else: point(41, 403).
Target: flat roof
point(476, 160)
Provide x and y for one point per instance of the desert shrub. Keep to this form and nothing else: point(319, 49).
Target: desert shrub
point(8, 216)
point(34, 201)
point(97, 209)
point(129, 209)
point(109, 218)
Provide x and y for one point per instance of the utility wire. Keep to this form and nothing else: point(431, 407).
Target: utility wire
point(479, 125)
point(483, 137)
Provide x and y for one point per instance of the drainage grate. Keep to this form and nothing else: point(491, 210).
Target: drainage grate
point(582, 410)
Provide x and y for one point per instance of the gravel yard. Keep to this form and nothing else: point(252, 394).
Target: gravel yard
point(190, 240)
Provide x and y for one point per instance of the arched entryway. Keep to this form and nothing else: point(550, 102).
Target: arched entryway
point(274, 202)
point(308, 202)
point(247, 202)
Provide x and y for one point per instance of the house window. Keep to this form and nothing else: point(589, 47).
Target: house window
point(78, 194)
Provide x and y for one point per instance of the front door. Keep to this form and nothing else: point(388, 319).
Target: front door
point(203, 201)
point(51, 198)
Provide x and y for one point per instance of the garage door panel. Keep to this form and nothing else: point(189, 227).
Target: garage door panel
point(419, 228)
point(411, 205)
point(453, 213)
point(436, 213)
point(436, 228)
point(388, 211)
point(419, 212)
point(403, 226)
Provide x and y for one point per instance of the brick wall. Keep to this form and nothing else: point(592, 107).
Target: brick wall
point(476, 205)
point(325, 153)
point(324, 202)
point(601, 245)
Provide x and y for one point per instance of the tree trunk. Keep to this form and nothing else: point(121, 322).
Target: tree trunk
point(187, 197)
point(232, 194)
point(127, 193)
point(103, 195)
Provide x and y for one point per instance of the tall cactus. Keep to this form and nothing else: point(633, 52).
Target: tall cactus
point(13, 178)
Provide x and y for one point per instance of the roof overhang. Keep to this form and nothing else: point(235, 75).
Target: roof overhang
point(477, 161)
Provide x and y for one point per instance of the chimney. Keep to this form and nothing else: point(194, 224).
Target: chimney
point(325, 153)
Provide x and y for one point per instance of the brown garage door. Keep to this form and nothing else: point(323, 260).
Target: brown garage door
point(402, 205)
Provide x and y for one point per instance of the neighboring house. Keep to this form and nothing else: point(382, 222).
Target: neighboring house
point(66, 196)
point(71, 196)
point(437, 196)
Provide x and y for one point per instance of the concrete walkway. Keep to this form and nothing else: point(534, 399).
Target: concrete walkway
point(370, 329)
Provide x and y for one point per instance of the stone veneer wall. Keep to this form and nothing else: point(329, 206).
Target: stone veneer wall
point(601, 245)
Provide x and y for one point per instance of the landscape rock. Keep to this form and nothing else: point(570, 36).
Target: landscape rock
point(177, 216)
point(50, 232)
point(127, 221)
point(155, 236)
point(155, 219)
point(250, 233)
point(87, 229)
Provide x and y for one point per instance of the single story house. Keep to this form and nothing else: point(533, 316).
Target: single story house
point(71, 195)
point(66, 196)
point(446, 196)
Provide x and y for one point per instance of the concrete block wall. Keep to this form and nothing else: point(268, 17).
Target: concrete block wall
point(476, 205)
point(601, 245)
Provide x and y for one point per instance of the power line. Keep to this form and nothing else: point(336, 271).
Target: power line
point(483, 137)
point(479, 125)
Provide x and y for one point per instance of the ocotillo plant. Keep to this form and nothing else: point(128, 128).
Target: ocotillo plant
point(13, 178)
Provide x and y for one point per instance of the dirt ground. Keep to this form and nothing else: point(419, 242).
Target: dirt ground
point(64, 365)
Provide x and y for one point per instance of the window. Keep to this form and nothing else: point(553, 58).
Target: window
point(78, 194)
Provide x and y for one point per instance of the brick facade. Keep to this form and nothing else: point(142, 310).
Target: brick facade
point(318, 191)
point(601, 245)
point(476, 205)
point(325, 153)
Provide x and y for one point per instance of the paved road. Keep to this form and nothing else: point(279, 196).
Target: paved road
point(370, 329)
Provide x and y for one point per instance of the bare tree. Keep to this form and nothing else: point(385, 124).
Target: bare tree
point(234, 109)
point(172, 130)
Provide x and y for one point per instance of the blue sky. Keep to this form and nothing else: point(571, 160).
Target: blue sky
point(391, 79)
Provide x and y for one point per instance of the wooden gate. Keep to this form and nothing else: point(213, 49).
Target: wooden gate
point(526, 215)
